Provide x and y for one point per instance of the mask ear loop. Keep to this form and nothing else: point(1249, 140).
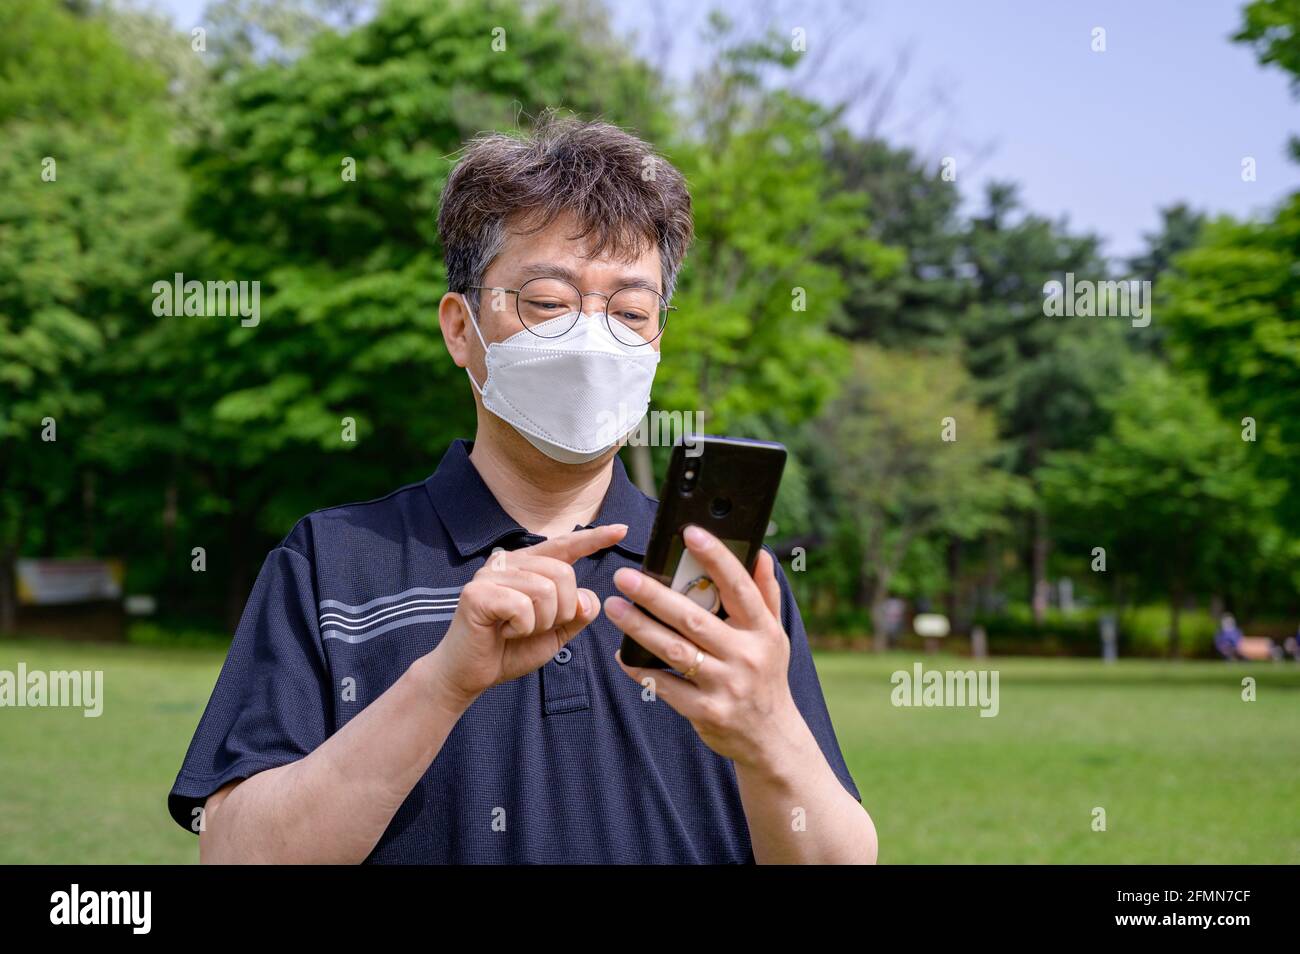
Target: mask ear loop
point(474, 322)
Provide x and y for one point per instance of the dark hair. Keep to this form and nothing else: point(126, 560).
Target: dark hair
point(616, 187)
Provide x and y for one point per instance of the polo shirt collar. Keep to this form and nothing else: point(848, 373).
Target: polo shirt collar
point(475, 521)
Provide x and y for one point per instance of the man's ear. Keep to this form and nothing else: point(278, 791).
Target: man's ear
point(453, 318)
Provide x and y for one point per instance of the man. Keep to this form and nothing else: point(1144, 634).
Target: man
point(432, 676)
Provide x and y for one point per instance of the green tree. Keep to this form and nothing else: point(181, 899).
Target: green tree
point(40, 40)
point(1040, 375)
point(1233, 308)
point(1272, 29)
point(1180, 229)
point(89, 203)
point(1170, 493)
point(753, 338)
point(918, 299)
point(322, 181)
point(1233, 302)
point(243, 34)
point(916, 459)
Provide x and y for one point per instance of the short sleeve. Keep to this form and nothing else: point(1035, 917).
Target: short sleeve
point(806, 687)
point(272, 701)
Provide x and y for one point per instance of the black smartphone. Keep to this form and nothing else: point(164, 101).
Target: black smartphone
point(727, 485)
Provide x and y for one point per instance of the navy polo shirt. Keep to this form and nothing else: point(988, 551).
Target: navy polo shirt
point(565, 764)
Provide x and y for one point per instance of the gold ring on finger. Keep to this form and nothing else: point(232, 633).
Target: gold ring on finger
point(695, 666)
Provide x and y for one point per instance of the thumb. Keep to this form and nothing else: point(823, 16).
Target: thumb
point(588, 610)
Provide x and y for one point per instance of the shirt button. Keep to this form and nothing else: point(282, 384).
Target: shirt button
point(563, 655)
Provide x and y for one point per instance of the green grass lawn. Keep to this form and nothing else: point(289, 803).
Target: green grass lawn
point(1185, 770)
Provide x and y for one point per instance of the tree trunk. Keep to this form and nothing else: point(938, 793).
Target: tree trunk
point(170, 512)
point(879, 629)
point(1038, 559)
point(1038, 586)
point(643, 470)
point(873, 578)
point(1175, 612)
point(992, 575)
point(879, 634)
point(88, 512)
point(952, 601)
point(9, 575)
point(8, 591)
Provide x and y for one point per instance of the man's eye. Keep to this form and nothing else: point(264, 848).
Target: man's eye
point(631, 317)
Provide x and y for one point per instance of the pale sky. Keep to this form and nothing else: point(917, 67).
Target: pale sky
point(1167, 112)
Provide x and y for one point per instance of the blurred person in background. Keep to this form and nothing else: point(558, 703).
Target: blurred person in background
point(1228, 638)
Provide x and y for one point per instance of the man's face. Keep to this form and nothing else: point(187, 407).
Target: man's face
point(549, 253)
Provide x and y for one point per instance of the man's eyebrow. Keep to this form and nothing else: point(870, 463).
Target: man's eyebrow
point(552, 270)
point(548, 270)
point(636, 281)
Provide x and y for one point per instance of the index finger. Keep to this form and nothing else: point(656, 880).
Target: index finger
point(570, 547)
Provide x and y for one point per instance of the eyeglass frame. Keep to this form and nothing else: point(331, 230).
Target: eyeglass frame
point(582, 296)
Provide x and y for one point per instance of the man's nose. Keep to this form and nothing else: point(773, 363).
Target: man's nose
point(602, 298)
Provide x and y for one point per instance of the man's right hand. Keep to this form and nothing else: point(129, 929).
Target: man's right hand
point(518, 611)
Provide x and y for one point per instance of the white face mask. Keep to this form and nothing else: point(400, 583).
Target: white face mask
point(573, 396)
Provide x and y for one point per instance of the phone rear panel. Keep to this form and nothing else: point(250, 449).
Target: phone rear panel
point(725, 485)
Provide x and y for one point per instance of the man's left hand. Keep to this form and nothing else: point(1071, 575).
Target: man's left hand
point(738, 696)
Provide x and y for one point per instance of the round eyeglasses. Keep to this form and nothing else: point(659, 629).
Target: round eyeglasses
point(635, 315)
